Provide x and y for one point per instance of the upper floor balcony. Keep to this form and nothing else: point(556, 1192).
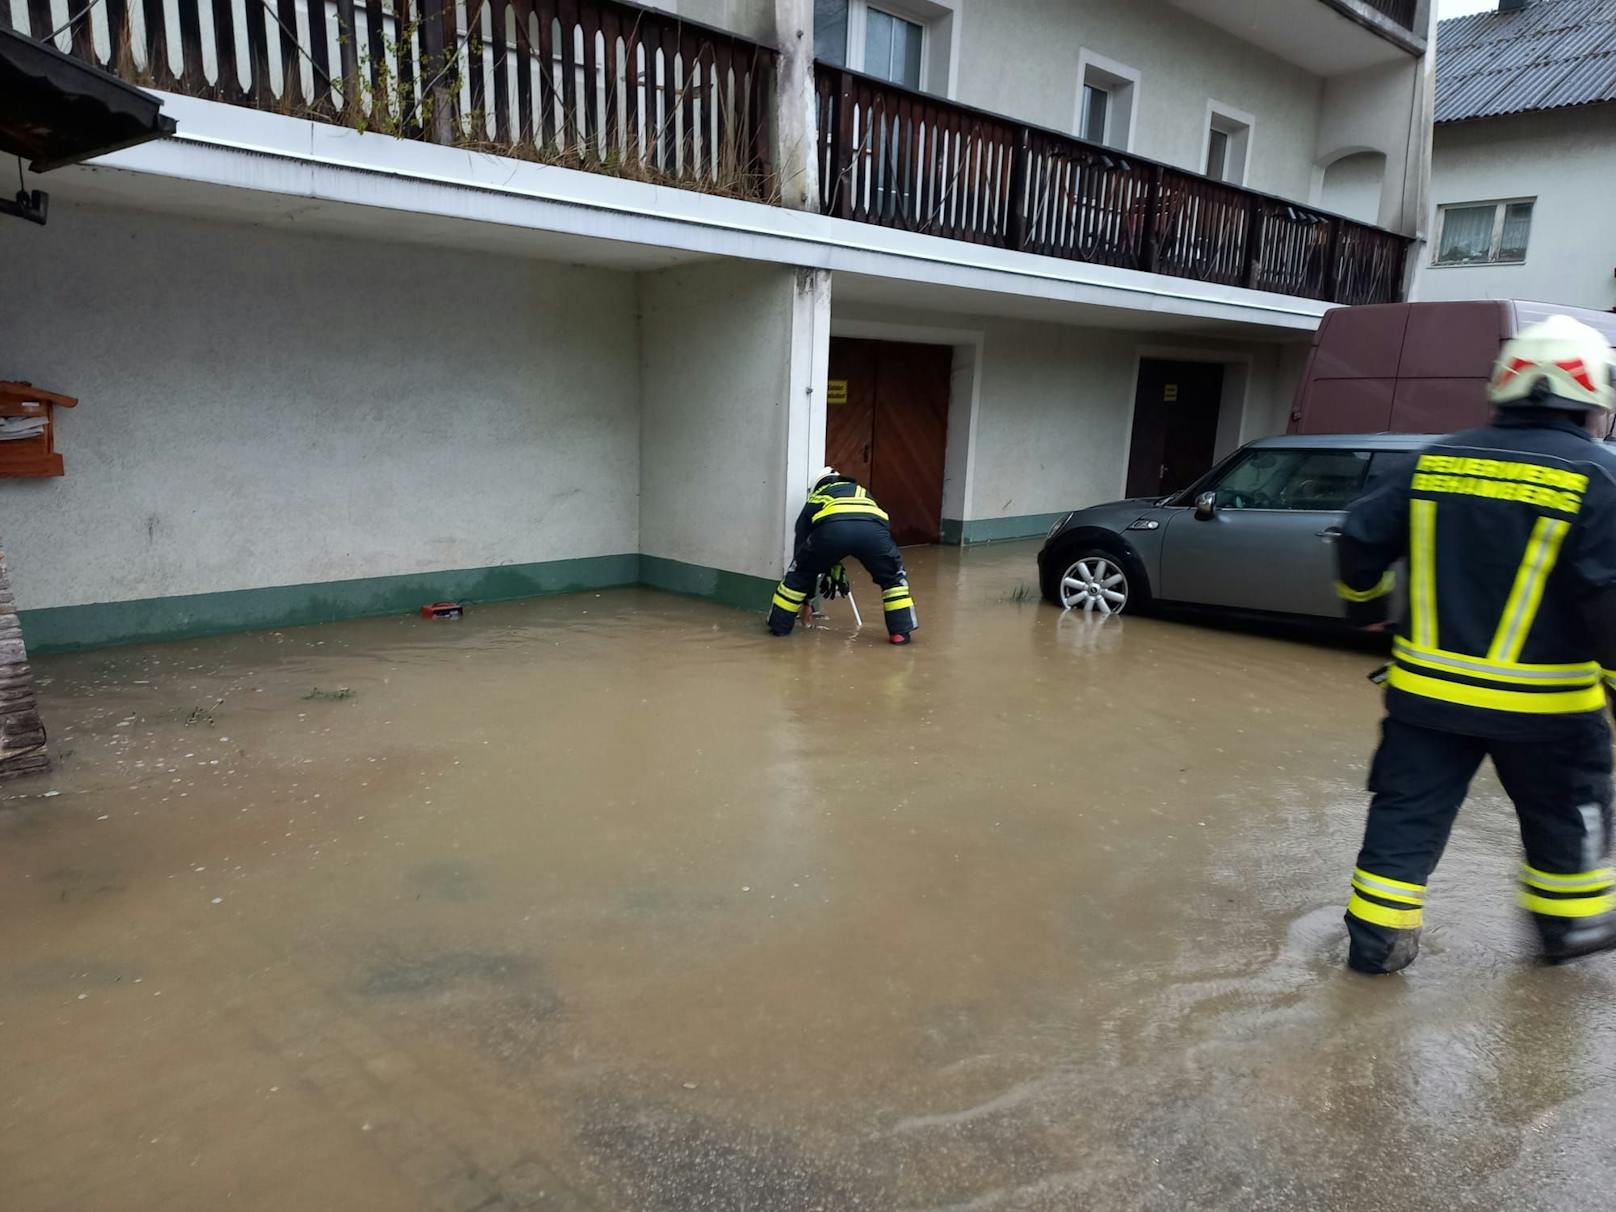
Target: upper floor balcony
point(1326, 37)
point(609, 86)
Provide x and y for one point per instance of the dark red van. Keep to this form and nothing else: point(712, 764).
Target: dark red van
point(1413, 367)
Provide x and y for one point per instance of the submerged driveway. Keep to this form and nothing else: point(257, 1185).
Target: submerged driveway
point(613, 902)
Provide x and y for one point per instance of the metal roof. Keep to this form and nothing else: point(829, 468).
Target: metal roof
point(1552, 54)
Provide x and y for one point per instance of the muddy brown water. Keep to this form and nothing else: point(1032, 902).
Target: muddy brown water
point(612, 902)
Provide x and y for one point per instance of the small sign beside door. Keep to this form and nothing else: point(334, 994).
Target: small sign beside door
point(1170, 393)
point(836, 391)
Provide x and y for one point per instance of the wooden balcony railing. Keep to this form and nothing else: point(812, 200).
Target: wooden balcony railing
point(906, 160)
point(1401, 11)
point(598, 84)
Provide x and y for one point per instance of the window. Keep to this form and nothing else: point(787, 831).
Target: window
point(1484, 233)
point(1228, 139)
point(902, 41)
point(892, 48)
point(1096, 104)
point(1105, 101)
point(830, 31)
point(1315, 480)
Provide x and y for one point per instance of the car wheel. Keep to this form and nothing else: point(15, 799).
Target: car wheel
point(1096, 583)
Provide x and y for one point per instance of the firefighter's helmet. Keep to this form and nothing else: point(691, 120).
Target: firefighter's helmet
point(1558, 362)
point(828, 475)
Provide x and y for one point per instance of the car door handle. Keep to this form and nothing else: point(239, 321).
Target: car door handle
point(1330, 532)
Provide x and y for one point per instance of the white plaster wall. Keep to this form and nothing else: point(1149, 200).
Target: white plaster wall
point(750, 18)
point(1380, 109)
point(1353, 186)
point(1567, 161)
point(1019, 57)
point(267, 409)
point(1055, 404)
point(715, 363)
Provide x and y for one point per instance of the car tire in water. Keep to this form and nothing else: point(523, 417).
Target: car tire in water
point(1095, 582)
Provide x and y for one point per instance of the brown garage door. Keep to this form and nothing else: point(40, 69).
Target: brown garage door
point(886, 425)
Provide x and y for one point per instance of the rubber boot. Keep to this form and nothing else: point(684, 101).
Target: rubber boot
point(1378, 951)
point(1565, 939)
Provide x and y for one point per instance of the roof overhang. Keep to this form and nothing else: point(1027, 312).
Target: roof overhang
point(56, 110)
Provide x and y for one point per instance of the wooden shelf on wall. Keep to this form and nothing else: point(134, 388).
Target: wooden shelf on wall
point(36, 456)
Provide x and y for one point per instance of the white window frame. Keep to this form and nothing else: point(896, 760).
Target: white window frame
point(1500, 210)
point(924, 13)
point(1121, 84)
point(1240, 127)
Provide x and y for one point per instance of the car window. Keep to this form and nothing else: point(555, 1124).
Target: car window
point(1294, 479)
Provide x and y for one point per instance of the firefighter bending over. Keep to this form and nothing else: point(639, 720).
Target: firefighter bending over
point(1506, 652)
point(841, 519)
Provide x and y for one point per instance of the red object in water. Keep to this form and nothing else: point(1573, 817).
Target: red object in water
point(899, 639)
point(442, 610)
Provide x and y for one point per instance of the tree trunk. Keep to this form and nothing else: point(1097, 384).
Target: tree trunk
point(22, 734)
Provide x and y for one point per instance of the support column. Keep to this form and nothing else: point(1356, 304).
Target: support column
point(22, 734)
point(732, 371)
point(796, 124)
point(810, 369)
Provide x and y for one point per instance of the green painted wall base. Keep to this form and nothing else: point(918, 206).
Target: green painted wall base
point(72, 628)
point(998, 530)
point(715, 584)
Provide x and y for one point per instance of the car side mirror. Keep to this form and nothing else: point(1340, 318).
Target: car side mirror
point(1206, 505)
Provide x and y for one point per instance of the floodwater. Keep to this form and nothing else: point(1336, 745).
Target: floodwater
point(613, 902)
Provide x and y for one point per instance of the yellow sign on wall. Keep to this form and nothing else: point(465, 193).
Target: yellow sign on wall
point(836, 391)
point(1170, 393)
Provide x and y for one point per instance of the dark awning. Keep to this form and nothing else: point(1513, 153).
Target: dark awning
point(57, 110)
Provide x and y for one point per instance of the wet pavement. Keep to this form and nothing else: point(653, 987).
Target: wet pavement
point(613, 902)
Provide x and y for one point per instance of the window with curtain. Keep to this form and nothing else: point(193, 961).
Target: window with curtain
point(1484, 233)
point(1096, 103)
point(892, 48)
point(830, 31)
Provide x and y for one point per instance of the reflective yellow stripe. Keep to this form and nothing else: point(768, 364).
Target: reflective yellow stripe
point(1379, 915)
point(897, 591)
point(1581, 881)
point(900, 604)
point(867, 509)
point(1556, 702)
point(1348, 594)
point(1582, 906)
point(1393, 890)
point(1585, 674)
point(796, 595)
point(1526, 595)
point(1422, 571)
point(784, 604)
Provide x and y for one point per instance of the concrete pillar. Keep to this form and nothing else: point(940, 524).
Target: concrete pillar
point(733, 365)
point(22, 735)
point(796, 124)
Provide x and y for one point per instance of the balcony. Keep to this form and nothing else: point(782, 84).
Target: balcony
point(1325, 37)
point(607, 86)
point(907, 160)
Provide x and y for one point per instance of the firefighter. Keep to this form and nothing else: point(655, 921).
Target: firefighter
point(1507, 649)
point(841, 519)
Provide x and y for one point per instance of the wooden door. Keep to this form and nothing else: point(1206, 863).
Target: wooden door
point(850, 408)
point(1175, 425)
point(886, 425)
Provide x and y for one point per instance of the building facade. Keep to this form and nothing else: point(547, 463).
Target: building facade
point(484, 300)
point(1522, 156)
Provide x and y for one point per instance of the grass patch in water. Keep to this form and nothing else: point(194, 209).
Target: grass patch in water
point(328, 696)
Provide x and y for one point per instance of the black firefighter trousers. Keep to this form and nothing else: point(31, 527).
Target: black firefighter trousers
point(1561, 789)
point(829, 544)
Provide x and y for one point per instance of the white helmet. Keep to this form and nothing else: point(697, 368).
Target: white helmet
point(1560, 358)
point(829, 475)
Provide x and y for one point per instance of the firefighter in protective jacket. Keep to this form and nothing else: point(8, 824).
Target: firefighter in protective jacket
point(842, 519)
point(1507, 649)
